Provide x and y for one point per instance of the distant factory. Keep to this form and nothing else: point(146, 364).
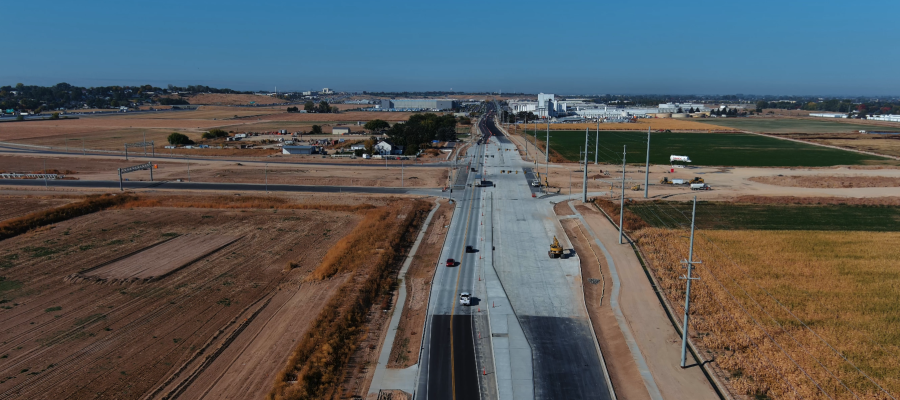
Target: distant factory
point(415, 104)
point(547, 106)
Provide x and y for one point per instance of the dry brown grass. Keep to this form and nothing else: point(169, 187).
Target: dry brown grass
point(232, 99)
point(756, 287)
point(237, 202)
point(632, 221)
point(344, 116)
point(315, 368)
point(835, 181)
point(37, 219)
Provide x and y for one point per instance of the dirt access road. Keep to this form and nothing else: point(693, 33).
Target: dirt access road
point(656, 338)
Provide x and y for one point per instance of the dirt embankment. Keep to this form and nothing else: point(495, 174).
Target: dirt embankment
point(405, 351)
point(824, 181)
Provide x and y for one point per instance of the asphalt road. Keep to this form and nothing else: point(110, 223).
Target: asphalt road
point(218, 186)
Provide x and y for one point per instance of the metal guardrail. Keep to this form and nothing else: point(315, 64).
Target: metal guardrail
point(13, 175)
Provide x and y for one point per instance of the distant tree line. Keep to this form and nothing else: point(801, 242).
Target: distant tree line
point(23, 97)
point(421, 129)
point(322, 107)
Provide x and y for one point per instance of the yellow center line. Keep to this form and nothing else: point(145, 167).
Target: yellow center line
point(456, 289)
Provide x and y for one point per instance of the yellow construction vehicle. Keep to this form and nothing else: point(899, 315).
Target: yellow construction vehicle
point(664, 180)
point(556, 251)
point(697, 179)
point(636, 188)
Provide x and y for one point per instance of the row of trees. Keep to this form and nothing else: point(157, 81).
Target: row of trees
point(322, 107)
point(63, 95)
point(421, 129)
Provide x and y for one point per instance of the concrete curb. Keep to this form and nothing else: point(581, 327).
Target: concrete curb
point(388, 342)
point(644, 370)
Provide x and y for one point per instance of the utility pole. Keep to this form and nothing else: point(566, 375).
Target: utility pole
point(45, 174)
point(267, 177)
point(597, 144)
point(584, 186)
point(548, 137)
point(145, 142)
point(687, 295)
point(647, 168)
point(401, 172)
point(83, 151)
point(622, 201)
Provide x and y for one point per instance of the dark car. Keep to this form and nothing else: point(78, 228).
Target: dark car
point(451, 262)
point(469, 249)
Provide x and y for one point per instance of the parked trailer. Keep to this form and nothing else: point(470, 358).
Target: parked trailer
point(674, 158)
point(699, 186)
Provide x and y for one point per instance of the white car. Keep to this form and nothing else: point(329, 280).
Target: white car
point(464, 299)
point(535, 183)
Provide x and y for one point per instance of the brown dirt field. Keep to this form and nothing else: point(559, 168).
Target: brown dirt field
point(640, 125)
point(17, 206)
point(231, 99)
point(344, 116)
point(87, 340)
point(159, 260)
point(207, 113)
point(597, 286)
point(408, 340)
point(226, 171)
point(825, 181)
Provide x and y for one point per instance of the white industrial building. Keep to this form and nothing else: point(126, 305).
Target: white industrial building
point(884, 117)
point(299, 150)
point(828, 115)
point(340, 130)
point(416, 104)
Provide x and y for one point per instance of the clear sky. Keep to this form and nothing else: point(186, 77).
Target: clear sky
point(575, 47)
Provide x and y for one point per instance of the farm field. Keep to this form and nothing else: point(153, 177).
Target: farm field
point(725, 149)
point(641, 125)
point(789, 313)
point(732, 216)
point(16, 206)
point(792, 125)
point(82, 339)
point(349, 116)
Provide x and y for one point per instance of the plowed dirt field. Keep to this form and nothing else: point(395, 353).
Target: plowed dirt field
point(227, 320)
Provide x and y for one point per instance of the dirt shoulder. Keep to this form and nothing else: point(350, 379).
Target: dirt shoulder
point(650, 326)
point(408, 341)
point(824, 181)
point(623, 371)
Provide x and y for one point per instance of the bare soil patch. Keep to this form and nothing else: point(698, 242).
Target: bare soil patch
point(408, 340)
point(17, 206)
point(232, 99)
point(159, 260)
point(833, 181)
point(81, 340)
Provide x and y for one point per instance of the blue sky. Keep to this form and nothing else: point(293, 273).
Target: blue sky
point(574, 47)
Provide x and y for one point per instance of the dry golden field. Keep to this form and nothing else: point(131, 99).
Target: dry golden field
point(790, 314)
point(344, 116)
point(641, 125)
point(231, 99)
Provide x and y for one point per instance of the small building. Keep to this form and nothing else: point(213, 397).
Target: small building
point(340, 130)
point(387, 148)
point(299, 150)
point(359, 146)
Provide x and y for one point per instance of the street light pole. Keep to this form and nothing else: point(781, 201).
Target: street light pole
point(584, 188)
point(647, 168)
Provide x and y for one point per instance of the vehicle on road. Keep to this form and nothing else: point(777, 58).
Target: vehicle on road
point(451, 262)
point(465, 299)
point(556, 251)
point(699, 186)
point(469, 249)
point(477, 182)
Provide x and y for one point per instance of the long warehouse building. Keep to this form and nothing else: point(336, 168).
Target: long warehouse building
point(418, 104)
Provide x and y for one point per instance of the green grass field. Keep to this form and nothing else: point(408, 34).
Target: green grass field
point(725, 149)
point(790, 125)
point(729, 216)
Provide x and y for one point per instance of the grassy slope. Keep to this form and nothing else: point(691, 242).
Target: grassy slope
point(788, 125)
point(713, 215)
point(740, 150)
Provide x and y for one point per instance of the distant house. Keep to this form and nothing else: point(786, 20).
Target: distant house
point(299, 150)
point(340, 130)
point(386, 148)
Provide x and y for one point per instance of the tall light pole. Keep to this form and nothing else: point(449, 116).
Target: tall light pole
point(687, 295)
point(622, 201)
point(647, 168)
point(597, 144)
point(548, 138)
point(584, 188)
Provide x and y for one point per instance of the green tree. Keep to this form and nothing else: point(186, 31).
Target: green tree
point(179, 139)
point(760, 105)
point(316, 130)
point(309, 106)
point(20, 117)
point(376, 125)
point(323, 107)
point(54, 115)
point(335, 110)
